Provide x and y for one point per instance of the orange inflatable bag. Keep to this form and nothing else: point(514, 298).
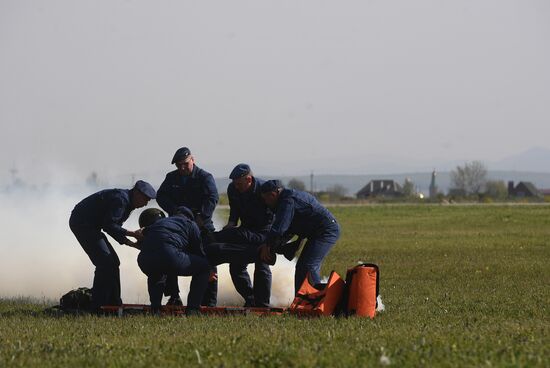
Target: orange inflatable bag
point(320, 299)
point(362, 290)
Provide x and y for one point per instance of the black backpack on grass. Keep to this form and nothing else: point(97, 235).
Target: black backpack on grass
point(80, 298)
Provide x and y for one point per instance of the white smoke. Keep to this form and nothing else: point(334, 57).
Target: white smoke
point(42, 259)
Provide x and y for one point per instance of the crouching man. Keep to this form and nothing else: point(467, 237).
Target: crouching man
point(172, 247)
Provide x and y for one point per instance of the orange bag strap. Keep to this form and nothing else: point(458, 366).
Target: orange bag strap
point(309, 300)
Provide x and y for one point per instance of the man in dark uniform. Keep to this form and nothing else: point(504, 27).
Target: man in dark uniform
point(246, 205)
point(172, 246)
point(299, 213)
point(107, 210)
point(194, 188)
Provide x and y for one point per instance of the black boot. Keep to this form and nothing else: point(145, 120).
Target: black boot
point(175, 300)
point(289, 250)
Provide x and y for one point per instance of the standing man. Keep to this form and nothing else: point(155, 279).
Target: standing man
point(172, 246)
point(299, 213)
point(246, 205)
point(107, 210)
point(189, 186)
point(194, 188)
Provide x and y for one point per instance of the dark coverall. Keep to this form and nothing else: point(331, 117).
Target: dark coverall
point(107, 210)
point(172, 246)
point(197, 192)
point(301, 214)
point(256, 220)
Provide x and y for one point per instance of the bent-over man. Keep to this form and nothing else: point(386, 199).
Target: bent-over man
point(299, 213)
point(107, 210)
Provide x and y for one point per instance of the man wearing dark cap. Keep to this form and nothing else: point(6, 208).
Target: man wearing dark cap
point(194, 188)
point(246, 205)
point(299, 213)
point(107, 210)
point(171, 247)
point(189, 186)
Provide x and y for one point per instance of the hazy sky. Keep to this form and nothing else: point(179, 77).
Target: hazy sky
point(288, 86)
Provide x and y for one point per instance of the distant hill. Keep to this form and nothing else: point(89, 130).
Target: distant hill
point(536, 159)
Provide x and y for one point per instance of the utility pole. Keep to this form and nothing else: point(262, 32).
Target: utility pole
point(433, 186)
point(311, 182)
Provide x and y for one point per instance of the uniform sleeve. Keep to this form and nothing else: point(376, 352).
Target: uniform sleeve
point(209, 196)
point(164, 199)
point(283, 217)
point(234, 208)
point(195, 242)
point(113, 218)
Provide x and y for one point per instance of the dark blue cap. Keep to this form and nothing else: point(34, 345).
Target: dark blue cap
point(146, 188)
point(185, 212)
point(180, 154)
point(239, 171)
point(271, 186)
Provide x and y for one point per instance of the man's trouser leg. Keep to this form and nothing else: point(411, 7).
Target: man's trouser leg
point(313, 254)
point(198, 287)
point(245, 242)
point(156, 283)
point(186, 264)
point(262, 284)
point(242, 283)
point(172, 286)
point(257, 295)
point(106, 284)
point(210, 298)
point(164, 261)
point(151, 263)
point(219, 253)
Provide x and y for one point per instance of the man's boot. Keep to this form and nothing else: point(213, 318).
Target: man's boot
point(175, 300)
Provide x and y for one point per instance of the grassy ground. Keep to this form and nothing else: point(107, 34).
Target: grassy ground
point(463, 286)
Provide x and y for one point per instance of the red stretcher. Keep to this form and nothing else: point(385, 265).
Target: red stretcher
point(173, 310)
point(356, 296)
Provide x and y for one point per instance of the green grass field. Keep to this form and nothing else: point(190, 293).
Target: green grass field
point(462, 285)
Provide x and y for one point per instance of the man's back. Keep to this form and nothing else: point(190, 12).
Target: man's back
point(300, 213)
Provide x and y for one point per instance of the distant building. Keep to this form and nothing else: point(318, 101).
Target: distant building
point(523, 189)
point(383, 188)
